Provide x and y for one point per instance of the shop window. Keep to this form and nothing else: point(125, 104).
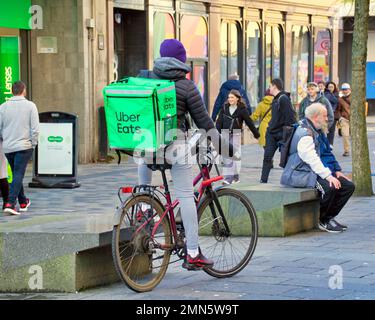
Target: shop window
point(322, 55)
point(273, 53)
point(194, 36)
point(163, 29)
point(300, 62)
point(229, 49)
point(253, 63)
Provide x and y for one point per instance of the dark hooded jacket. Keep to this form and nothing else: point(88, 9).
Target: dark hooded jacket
point(283, 114)
point(235, 121)
point(222, 97)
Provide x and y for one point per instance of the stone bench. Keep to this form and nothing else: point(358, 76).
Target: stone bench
point(282, 211)
point(70, 253)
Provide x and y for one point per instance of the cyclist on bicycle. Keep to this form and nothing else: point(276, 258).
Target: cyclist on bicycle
point(171, 65)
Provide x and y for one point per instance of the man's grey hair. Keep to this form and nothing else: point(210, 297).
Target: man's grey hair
point(234, 76)
point(314, 109)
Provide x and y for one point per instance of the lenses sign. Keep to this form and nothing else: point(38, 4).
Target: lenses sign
point(9, 66)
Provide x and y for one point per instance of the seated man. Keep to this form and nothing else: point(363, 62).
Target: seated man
point(312, 164)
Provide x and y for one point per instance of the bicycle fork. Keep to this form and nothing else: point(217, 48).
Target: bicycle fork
point(221, 215)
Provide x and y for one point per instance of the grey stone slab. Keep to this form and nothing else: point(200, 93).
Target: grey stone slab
point(317, 293)
point(258, 279)
point(358, 296)
point(243, 287)
point(301, 270)
point(38, 243)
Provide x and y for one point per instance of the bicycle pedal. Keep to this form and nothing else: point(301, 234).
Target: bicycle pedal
point(191, 267)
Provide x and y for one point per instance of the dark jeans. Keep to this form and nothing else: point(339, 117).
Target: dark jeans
point(331, 133)
point(333, 200)
point(18, 162)
point(272, 144)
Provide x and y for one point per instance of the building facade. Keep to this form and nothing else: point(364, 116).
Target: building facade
point(76, 47)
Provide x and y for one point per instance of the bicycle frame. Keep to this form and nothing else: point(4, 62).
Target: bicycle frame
point(170, 206)
point(204, 175)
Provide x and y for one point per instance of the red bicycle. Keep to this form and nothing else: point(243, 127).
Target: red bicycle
point(148, 232)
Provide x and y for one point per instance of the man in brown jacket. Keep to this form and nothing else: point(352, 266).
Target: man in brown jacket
point(344, 111)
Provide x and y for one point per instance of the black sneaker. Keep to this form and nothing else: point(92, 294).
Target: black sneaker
point(236, 178)
point(335, 223)
point(197, 263)
point(327, 226)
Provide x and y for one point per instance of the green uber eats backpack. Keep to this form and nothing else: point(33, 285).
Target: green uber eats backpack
point(141, 114)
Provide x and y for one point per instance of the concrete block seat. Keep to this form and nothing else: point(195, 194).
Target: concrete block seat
point(282, 211)
point(60, 253)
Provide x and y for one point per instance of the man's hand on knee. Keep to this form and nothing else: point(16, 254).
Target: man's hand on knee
point(334, 182)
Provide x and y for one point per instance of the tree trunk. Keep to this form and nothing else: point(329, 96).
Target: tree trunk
point(360, 150)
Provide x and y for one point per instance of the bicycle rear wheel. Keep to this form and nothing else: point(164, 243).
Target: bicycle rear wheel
point(141, 259)
point(229, 242)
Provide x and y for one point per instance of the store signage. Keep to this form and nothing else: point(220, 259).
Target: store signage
point(55, 149)
point(9, 66)
point(15, 14)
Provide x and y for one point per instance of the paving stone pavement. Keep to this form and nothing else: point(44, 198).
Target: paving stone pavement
point(302, 266)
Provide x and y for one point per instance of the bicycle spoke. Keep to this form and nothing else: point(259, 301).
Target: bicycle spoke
point(139, 261)
point(227, 236)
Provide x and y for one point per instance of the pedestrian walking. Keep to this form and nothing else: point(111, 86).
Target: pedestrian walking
point(283, 114)
point(231, 118)
point(263, 112)
point(19, 131)
point(332, 94)
point(314, 96)
point(233, 82)
point(344, 121)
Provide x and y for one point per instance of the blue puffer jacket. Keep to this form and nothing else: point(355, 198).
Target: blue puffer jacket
point(326, 154)
point(332, 99)
point(297, 173)
point(222, 97)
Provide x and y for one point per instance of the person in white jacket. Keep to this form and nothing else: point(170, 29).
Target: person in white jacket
point(311, 163)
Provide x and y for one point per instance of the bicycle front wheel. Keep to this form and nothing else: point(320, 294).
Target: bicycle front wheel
point(228, 231)
point(141, 258)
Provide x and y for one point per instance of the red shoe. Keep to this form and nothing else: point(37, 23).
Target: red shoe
point(24, 206)
point(197, 263)
point(10, 208)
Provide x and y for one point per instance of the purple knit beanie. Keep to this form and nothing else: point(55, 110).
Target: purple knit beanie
point(174, 49)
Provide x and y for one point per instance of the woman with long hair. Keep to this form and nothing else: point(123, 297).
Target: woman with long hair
point(231, 118)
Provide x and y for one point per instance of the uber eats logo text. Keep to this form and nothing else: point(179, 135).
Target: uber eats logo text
point(169, 103)
point(126, 122)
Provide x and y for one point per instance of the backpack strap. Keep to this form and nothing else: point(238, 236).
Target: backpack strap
point(268, 110)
